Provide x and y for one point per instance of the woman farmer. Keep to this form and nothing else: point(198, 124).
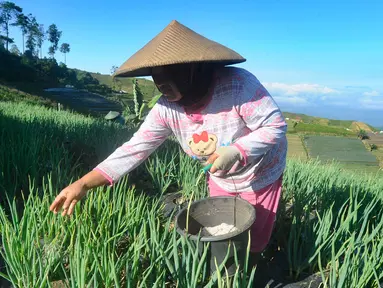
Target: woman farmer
point(220, 115)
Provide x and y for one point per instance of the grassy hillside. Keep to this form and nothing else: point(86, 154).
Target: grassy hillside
point(362, 126)
point(318, 128)
point(147, 87)
point(13, 94)
point(348, 124)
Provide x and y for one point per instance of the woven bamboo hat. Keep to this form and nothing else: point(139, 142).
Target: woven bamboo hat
point(112, 115)
point(176, 44)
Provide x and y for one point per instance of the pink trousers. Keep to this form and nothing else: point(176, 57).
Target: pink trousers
point(266, 203)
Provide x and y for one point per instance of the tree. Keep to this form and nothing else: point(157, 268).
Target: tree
point(32, 34)
point(40, 37)
point(22, 21)
point(113, 70)
point(8, 11)
point(15, 50)
point(4, 41)
point(362, 135)
point(65, 48)
point(54, 36)
point(85, 78)
point(373, 147)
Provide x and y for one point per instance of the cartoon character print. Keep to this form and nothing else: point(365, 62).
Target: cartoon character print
point(203, 145)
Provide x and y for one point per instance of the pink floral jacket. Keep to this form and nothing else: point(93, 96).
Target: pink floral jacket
point(238, 112)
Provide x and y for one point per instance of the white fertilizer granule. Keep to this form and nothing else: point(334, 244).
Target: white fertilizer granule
point(221, 229)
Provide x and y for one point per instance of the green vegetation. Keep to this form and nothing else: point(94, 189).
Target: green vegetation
point(147, 87)
point(330, 221)
point(138, 100)
point(362, 134)
point(373, 147)
point(295, 127)
point(65, 48)
point(26, 64)
point(318, 120)
point(320, 129)
point(15, 95)
point(30, 72)
point(302, 117)
point(349, 152)
point(118, 235)
point(41, 140)
point(346, 124)
point(333, 143)
point(340, 123)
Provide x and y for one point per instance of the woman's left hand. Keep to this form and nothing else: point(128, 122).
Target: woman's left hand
point(224, 158)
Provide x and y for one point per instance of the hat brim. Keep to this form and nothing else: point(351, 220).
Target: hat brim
point(146, 71)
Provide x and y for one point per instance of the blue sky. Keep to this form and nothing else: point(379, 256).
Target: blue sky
point(324, 58)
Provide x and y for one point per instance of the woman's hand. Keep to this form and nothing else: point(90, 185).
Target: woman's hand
point(69, 196)
point(224, 158)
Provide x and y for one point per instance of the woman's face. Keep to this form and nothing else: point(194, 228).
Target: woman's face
point(165, 85)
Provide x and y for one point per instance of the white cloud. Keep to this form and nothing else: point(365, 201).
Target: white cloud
point(315, 95)
point(372, 93)
point(298, 89)
point(372, 104)
point(291, 100)
point(340, 102)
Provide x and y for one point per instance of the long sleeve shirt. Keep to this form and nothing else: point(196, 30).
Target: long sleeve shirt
point(238, 111)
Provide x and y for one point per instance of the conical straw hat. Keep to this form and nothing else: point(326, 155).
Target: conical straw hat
point(112, 115)
point(176, 44)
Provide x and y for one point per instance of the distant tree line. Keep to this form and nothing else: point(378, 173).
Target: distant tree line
point(29, 65)
point(32, 32)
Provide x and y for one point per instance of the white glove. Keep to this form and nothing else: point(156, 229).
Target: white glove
point(224, 158)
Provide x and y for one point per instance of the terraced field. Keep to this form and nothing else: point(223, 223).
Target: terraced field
point(83, 101)
point(295, 147)
point(350, 153)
